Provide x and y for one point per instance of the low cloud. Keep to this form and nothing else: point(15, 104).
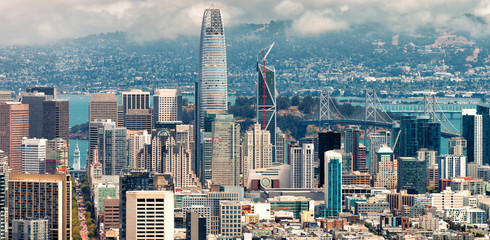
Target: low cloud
point(33, 21)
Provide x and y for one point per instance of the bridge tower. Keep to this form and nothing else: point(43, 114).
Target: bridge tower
point(430, 106)
point(370, 113)
point(326, 112)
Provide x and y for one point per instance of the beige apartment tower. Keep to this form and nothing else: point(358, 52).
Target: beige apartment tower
point(149, 215)
point(42, 196)
point(257, 150)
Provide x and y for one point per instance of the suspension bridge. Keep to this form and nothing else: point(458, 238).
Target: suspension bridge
point(375, 115)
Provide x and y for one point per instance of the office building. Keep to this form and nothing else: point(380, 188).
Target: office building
point(472, 131)
point(412, 175)
point(33, 155)
point(172, 153)
point(48, 91)
point(301, 161)
point(57, 154)
point(31, 228)
point(111, 213)
point(376, 141)
point(149, 215)
point(230, 214)
point(56, 119)
point(93, 136)
point(356, 178)
point(400, 199)
point(5, 96)
point(351, 145)
point(415, 133)
point(41, 196)
point(266, 101)
point(167, 106)
point(386, 169)
point(433, 177)
point(257, 150)
point(137, 143)
point(112, 148)
point(326, 141)
point(76, 158)
point(139, 119)
point(103, 106)
point(293, 204)
point(14, 125)
point(333, 183)
point(280, 146)
point(196, 226)
point(427, 155)
point(452, 166)
point(135, 99)
point(35, 101)
point(212, 85)
point(225, 156)
point(447, 199)
point(136, 180)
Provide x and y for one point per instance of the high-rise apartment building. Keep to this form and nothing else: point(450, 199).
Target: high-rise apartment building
point(167, 106)
point(266, 101)
point(386, 169)
point(31, 228)
point(57, 154)
point(452, 166)
point(472, 131)
point(301, 161)
point(333, 183)
point(326, 141)
point(257, 150)
point(56, 119)
point(35, 101)
point(33, 155)
point(41, 196)
point(137, 143)
point(93, 136)
point(14, 125)
point(149, 215)
point(112, 148)
point(412, 175)
point(103, 106)
point(484, 111)
point(212, 85)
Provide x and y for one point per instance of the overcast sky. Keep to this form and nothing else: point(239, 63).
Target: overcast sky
point(39, 21)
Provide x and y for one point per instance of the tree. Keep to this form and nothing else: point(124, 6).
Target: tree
point(295, 101)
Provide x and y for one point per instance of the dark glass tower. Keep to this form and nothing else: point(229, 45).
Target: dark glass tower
point(416, 133)
point(326, 141)
point(412, 175)
point(485, 112)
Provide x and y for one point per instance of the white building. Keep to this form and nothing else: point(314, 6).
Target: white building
point(149, 215)
point(167, 105)
point(452, 166)
point(33, 155)
point(137, 141)
point(257, 150)
point(472, 131)
point(468, 215)
point(447, 199)
point(76, 158)
point(301, 160)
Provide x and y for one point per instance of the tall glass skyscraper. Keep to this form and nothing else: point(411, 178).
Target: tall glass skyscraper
point(266, 102)
point(211, 87)
point(333, 183)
